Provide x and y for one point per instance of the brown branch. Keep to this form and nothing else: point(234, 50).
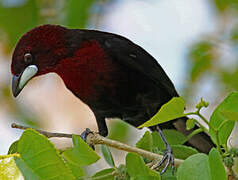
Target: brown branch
point(94, 138)
point(45, 133)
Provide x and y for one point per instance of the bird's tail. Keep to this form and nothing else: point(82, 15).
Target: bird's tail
point(201, 141)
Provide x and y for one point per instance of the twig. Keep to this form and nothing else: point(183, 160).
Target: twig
point(9, 156)
point(94, 139)
point(45, 133)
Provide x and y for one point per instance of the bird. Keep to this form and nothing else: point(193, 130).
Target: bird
point(108, 72)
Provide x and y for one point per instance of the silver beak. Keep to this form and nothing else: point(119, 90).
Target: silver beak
point(18, 82)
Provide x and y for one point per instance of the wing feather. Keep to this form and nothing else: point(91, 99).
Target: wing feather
point(135, 57)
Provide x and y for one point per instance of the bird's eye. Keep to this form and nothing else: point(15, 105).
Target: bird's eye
point(28, 58)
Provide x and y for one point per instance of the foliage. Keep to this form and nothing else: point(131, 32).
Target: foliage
point(16, 20)
point(37, 158)
point(213, 57)
point(8, 169)
point(171, 110)
point(79, 9)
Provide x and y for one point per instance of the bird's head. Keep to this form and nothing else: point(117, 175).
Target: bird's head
point(37, 53)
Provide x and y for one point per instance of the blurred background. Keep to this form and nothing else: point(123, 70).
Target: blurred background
point(196, 42)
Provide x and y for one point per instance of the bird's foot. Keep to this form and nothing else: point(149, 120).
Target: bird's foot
point(168, 158)
point(84, 136)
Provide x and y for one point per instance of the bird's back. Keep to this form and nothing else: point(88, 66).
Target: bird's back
point(136, 86)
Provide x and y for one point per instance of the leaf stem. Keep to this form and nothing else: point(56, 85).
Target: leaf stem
point(218, 142)
point(193, 133)
point(203, 118)
point(210, 127)
point(201, 126)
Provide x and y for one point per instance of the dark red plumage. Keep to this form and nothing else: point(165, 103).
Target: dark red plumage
point(111, 74)
point(89, 67)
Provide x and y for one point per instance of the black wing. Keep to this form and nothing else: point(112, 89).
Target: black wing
point(135, 57)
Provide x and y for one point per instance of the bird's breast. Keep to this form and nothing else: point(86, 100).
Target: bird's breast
point(91, 73)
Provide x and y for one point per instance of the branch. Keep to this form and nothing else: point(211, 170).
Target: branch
point(9, 156)
point(94, 138)
point(45, 133)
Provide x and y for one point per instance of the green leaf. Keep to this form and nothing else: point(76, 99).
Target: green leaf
point(233, 152)
point(223, 5)
point(190, 123)
point(168, 175)
point(158, 144)
point(145, 142)
point(172, 136)
point(122, 172)
point(27, 171)
point(77, 13)
point(183, 152)
point(195, 167)
point(228, 161)
point(147, 178)
point(234, 38)
point(9, 170)
point(105, 174)
point(17, 19)
point(232, 116)
point(13, 148)
point(137, 169)
point(218, 171)
point(153, 173)
point(135, 165)
point(230, 104)
point(201, 56)
point(77, 170)
point(229, 78)
point(119, 130)
point(39, 159)
point(235, 167)
point(81, 154)
point(171, 110)
point(107, 155)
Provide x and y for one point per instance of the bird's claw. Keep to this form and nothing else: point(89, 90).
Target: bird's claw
point(168, 157)
point(84, 136)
